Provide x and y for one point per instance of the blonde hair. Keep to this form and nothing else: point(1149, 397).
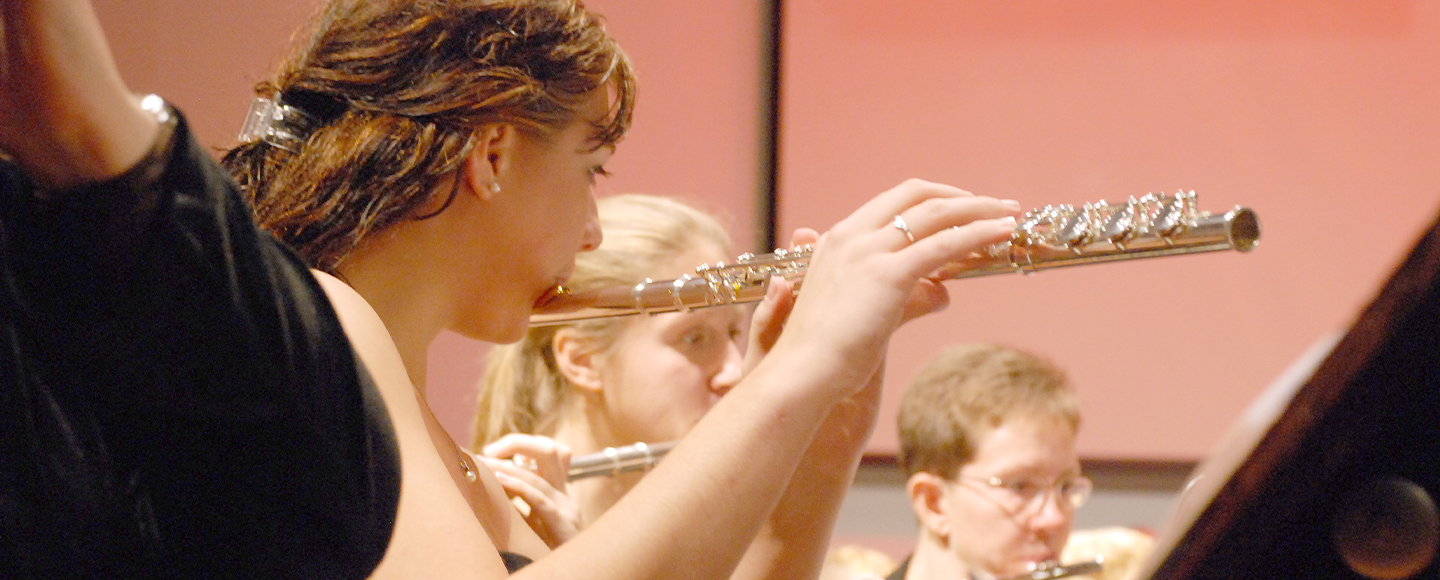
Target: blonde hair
point(522, 391)
point(969, 389)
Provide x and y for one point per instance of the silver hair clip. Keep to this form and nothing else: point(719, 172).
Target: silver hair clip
point(278, 124)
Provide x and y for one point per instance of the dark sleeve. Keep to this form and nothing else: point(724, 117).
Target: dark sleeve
point(247, 438)
point(514, 562)
point(899, 573)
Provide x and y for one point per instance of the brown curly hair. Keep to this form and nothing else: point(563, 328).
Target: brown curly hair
point(399, 88)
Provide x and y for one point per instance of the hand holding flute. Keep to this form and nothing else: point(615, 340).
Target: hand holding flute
point(620, 216)
point(532, 469)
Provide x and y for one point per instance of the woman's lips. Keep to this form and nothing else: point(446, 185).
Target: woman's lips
point(550, 294)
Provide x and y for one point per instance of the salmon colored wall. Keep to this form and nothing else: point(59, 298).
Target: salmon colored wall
point(1321, 116)
point(697, 132)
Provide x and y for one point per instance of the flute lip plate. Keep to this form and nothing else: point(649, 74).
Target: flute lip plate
point(1244, 228)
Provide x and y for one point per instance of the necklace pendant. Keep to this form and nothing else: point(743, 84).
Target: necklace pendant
point(470, 474)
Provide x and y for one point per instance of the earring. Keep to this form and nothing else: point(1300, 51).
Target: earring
point(494, 187)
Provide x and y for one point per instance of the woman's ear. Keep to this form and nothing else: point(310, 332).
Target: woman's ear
point(577, 359)
point(492, 155)
point(927, 499)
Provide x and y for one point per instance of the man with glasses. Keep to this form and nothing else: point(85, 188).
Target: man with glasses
point(987, 437)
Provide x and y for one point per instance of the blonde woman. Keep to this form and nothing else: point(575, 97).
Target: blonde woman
point(612, 382)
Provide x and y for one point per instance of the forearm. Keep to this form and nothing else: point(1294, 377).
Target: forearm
point(69, 118)
point(699, 510)
point(796, 537)
point(702, 507)
point(794, 541)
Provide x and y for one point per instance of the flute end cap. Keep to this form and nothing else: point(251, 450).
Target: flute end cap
point(1244, 228)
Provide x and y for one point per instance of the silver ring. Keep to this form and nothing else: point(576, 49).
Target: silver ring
point(899, 224)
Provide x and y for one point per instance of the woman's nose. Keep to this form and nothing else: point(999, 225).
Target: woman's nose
point(593, 234)
point(729, 374)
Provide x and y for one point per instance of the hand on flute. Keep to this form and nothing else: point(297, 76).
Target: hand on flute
point(866, 276)
point(768, 321)
point(535, 469)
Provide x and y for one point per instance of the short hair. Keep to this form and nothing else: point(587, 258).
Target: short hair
point(967, 390)
point(522, 389)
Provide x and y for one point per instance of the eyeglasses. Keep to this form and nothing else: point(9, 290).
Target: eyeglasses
point(1026, 496)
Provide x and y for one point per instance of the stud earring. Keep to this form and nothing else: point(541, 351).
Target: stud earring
point(494, 187)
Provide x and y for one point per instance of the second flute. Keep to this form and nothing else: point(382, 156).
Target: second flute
point(613, 460)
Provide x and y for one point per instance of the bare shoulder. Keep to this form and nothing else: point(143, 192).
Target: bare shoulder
point(438, 532)
point(366, 331)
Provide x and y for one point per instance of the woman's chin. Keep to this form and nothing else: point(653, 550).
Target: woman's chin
point(497, 328)
point(508, 337)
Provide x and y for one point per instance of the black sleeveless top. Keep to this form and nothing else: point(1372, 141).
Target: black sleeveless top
point(177, 397)
point(514, 562)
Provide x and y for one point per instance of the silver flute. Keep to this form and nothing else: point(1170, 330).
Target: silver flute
point(1052, 570)
point(614, 460)
point(1152, 226)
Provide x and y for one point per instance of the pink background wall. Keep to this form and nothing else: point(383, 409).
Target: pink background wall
point(1320, 116)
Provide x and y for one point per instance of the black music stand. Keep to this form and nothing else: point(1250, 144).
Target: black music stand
point(1327, 451)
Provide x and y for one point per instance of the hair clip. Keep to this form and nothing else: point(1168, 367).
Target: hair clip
point(276, 123)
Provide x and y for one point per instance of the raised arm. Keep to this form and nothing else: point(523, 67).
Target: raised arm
point(697, 513)
point(795, 539)
point(66, 117)
point(188, 403)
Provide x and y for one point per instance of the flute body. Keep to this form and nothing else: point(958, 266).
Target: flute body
point(1049, 237)
point(613, 460)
